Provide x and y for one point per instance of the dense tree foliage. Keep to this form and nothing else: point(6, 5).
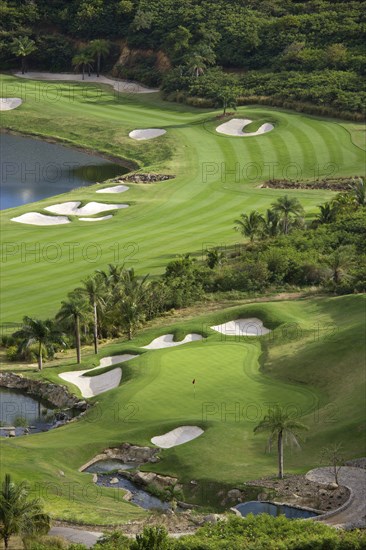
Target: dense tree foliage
point(307, 51)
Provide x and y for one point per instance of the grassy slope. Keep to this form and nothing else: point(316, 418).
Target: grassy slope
point(165, 219)
point(295, 368)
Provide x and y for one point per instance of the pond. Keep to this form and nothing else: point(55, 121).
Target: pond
point(139, 496)
point(22, 411)
point(32, 170)
point(255, 507)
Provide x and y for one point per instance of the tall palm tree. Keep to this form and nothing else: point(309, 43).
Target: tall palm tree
point(358, 191)
point(271, 223)
point(200, 59)
point(22, 47)
point(83, 60)
point(288, 209)
point(281, 426)
point(250, 225)
point(94, 290)
point(99, 48)
point(132, 302)
point(75, 309)
point(43, 333)
point(20, 515)
point(339, 263)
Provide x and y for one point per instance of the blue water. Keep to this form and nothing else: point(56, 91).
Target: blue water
point(18, 409)
point(255, 507)
point(32, 170)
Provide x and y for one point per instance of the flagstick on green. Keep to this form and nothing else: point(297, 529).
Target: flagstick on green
point(194, 388)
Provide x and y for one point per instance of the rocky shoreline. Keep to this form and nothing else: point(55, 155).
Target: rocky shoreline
point(56, 394)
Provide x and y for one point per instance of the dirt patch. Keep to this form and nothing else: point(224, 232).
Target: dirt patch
point(302, 492)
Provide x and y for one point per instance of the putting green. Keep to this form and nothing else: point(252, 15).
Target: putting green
point(218, 177)
point(236, 381)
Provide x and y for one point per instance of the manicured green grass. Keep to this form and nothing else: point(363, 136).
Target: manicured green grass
point(217, 179)
point(303, 364)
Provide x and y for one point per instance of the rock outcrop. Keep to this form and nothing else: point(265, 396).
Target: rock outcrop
point(55, 394)
point(126, 453)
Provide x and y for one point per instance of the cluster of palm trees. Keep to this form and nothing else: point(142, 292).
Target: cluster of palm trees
point(111, 302)
point(93, 52)
point(284, 215)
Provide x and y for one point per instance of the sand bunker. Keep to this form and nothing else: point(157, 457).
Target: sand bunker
point(122, 86)
point(94, 385)
point(234, 127)
point(242, 327)
point(115, 189)
point(35, 218)
point(96, 219)
point(9, 103)
point(71, 208)
point(180, 435)
point(166, 341)
point(149, 133)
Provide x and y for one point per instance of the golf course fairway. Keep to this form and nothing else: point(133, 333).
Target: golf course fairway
point(217, 178)
point(311, 362)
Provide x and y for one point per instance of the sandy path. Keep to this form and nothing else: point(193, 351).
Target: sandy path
point(90, 386)
point(166, 341)
point(176, 437)
point(122, 86)
point(235, 126)
point(354, 514)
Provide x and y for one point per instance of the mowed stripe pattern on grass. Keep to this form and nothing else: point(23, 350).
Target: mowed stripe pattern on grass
point(217, 179)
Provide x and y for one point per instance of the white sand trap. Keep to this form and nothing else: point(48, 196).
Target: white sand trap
point(115, 189)
point(35, 218)
point(235, 126)
point(96, 219)
point(180, 435)
point(122, 86)
point(166, 341)
point(242, 327)
point(149, 133)
point(94, 385)
point(71, 208)
point(9, 103)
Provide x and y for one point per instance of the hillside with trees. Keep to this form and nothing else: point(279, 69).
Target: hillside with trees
point(304, 55)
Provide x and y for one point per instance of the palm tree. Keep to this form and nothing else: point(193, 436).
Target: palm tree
point(43, 333)
point(228, 96)
point(281, 426)
point(83, 60)
point(287, 208)
point(20, 515)
point(199, 59)
point(22, 47)
point(132, 302)
point(74, 309)
point(250, 226)
point(327, 214)
point(339, 262)
point(271, 223)
point(99, 48)
point(94, 290)
point(358, 191)
point(215, 258)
